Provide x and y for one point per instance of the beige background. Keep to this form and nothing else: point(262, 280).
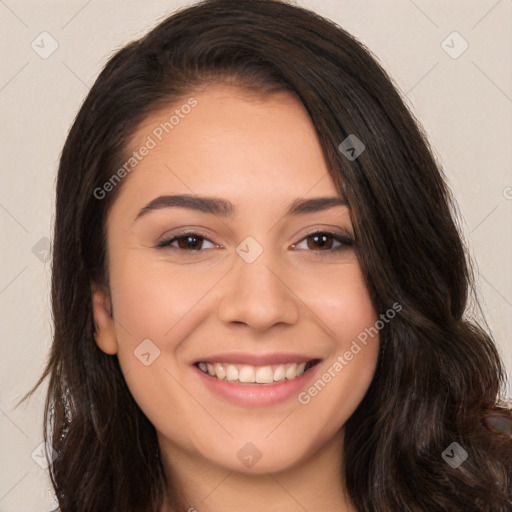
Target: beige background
point(464, 103)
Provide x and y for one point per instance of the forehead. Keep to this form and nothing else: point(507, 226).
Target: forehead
point(231, 142)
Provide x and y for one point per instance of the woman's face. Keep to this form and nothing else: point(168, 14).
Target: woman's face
point(250, 289)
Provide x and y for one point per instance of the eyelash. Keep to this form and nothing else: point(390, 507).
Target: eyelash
point(344, 240)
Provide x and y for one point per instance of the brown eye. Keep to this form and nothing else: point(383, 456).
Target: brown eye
point(322, 241)
point(192, 242)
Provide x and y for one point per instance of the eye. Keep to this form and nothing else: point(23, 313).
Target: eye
point(192, 242)
point(323, 241)
point(318, 241)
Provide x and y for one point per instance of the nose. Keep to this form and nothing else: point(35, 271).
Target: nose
point(259, 294)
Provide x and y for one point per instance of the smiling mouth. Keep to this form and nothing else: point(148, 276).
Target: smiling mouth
point(249, 374)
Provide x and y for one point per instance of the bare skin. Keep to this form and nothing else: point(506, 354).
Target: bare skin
point(198, 300)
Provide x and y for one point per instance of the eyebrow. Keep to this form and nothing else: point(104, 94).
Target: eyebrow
point(225, 208)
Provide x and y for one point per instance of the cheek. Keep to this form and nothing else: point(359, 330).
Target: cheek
point(343, 305)
point(340, 300)
point(152, 298)
point(154, 302)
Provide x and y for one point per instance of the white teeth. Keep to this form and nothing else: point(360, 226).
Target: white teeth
point(247, 374)
point(279, 374)
point(254, 374)
point(231, 372)
point(291, 371)
point(264, 375)
point(219, 370)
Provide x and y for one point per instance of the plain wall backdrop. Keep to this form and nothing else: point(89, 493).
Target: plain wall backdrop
point(450, 59)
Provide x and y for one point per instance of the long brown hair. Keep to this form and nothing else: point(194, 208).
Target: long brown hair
point(439, 373)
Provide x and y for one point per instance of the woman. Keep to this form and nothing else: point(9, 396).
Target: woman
point(259, 287)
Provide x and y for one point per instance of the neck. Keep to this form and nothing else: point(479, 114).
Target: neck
point(315, 483)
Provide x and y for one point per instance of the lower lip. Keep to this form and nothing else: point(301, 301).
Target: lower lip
point(253, 395)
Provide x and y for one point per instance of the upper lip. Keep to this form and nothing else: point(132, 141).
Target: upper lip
point(258, 359)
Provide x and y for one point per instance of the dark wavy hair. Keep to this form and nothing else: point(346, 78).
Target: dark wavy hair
point(439, 375)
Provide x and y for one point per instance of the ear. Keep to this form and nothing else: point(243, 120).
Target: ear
point(105, 334)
